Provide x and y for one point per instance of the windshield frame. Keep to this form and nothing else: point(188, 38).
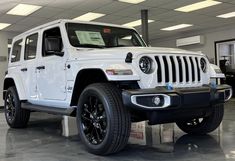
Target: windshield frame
point(139, 38)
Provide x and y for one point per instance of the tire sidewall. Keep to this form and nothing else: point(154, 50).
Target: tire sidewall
point(13, 91)
point(208, 124)
point(93, 91)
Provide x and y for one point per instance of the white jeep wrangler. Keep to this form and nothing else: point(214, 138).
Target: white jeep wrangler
point(107, 77)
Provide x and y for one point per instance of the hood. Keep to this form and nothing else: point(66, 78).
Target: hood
point(121, 52)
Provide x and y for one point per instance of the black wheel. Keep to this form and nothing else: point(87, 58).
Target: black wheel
point(103, 122)
point(203, 125)
point(16, 117)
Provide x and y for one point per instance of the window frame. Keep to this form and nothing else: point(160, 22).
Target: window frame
point(43, 40)
point(19, 40)
point(25, 58)
point(140, 39)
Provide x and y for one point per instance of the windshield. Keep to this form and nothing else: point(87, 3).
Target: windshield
point(97, 36)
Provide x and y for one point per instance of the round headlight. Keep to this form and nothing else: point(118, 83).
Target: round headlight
point(145, 64)
point(203, 65)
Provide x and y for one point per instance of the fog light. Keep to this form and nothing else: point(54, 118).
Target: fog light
point(151, 101)
point(157, 100)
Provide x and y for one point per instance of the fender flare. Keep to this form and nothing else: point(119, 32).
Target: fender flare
point(18, 84)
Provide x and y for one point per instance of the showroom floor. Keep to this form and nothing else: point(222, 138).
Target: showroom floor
point(42, 141)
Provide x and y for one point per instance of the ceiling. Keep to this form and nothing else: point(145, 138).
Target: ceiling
point(162, 11)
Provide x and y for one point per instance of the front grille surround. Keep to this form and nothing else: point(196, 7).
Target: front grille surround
point(178, 69)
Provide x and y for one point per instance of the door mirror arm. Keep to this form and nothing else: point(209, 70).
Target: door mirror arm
point(58, 53)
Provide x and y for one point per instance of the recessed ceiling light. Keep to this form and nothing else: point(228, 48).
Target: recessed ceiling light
point(89, 16)
point(23, 9)
point(227, 15)
point(132, 1)
point(198, 5)
point(135, 23)
point(176, 27)
point(4, 25)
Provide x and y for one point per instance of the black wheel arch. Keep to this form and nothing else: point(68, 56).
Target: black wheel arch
point(87, 77)
point(84, 78)
point(8, 82)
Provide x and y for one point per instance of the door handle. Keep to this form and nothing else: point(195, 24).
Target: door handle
point(40, 67)
point(24, 69)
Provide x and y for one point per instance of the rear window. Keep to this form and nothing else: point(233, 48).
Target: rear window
point(16, 51)
point(31, 47)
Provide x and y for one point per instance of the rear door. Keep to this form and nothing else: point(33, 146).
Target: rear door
point(28, 72)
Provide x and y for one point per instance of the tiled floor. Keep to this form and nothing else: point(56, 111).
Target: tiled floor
point(42, 141)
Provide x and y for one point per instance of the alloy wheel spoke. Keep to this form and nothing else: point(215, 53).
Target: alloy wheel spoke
point(86, 118)
point(94, 120)
point(98, 135)
point(86, 109)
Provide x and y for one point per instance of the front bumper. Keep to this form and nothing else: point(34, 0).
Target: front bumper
point(145, 99)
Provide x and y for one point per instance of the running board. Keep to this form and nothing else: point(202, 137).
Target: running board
point(51, 110)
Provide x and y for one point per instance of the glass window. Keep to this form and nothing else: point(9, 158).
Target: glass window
point(52, 42)
point(98, 36)
point(15, 56)
point(31, 47)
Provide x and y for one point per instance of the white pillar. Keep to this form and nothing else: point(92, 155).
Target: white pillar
point(3, 63)
point(69, 126)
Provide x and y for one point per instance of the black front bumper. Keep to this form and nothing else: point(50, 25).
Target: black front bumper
point(182, 103)
point(177, 98)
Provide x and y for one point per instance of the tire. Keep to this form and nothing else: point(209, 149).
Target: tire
point(103, 122)
point(16, 117)
point(203, 125)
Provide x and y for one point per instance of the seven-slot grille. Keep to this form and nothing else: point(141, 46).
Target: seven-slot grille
point(178, 69)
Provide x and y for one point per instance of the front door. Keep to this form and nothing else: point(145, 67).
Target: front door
point(51, 75)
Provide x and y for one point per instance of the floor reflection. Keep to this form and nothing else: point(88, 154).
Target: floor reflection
point(42, 141)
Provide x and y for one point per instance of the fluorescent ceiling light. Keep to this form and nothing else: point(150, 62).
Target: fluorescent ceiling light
point(132, 1)
point(4, 25)
point(176, 27)
point(89, 16)
point(197, 6)
point(227, 15)
point(135, 23)
point(23, 9)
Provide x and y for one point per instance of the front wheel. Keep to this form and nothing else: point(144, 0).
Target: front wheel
point(103, 122)
point(203, 125)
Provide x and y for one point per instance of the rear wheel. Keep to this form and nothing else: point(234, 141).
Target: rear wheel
point(103, 122)
point(16, 117)
point(203, 125)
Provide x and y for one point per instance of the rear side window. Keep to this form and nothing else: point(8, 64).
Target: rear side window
point(16, 50)
point(31, 47)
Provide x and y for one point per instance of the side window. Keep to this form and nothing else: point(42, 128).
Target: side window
point(31, 47)
point(16, 50)
point(52, 42)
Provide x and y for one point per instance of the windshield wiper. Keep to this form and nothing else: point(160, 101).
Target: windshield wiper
point(91, 46)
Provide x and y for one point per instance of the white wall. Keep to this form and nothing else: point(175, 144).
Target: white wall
point(4, 36)
point(3, 65)
point(210, 37)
